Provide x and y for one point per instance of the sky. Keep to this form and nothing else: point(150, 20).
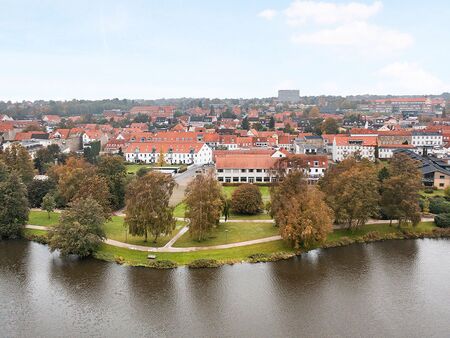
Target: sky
point(148, 49)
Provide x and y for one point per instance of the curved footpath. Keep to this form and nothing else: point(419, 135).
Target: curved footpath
point(169, 246)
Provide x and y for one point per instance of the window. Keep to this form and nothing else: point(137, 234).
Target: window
point(235, 179)
point(441, 184)
point(258, 179)
point(220, 170)
point(442, 177)
point(259, 170)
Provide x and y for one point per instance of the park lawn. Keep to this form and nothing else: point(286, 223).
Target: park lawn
point(35, 232)
point(381, 228)
point(116, 230)
point(179, 210)
point(41, 218)
point(234, 255)
point(265, 193)
point(237, 232)
point(133, 168)
point(262, 215)
point(435, 193)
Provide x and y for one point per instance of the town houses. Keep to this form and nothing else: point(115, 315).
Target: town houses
point(244, 143)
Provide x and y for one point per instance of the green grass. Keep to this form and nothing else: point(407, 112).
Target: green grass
point(262, 215)
point(133, 168)
point(239, 254)
point(115, 230)
point(237, 232)
point(381, 228)
point(435, 193)
point(41, 218)
point(35, 232)
point(179, 210)
point(133, 257)
point(263, 189)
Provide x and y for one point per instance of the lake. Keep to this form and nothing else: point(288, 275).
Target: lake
point(386, 289)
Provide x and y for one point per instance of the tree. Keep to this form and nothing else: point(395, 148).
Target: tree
point(91, 151)
point(306, 221)
point(13, 204)
point(37, 189)
point(46, 157)
point(204, 205)
point(79, 230)
point(18, 159)
point(113, 169)
point(400, 196)
point(79, 179)
point(272, 123)
point(246, 200)
point(48, 204)
point(245, 124)
point(226, 209)
point(329, 126)
point(147, 206)
point(161, 158)
point(352, 191)
point(287, 187)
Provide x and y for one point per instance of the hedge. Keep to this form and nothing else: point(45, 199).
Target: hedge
point(442, 220)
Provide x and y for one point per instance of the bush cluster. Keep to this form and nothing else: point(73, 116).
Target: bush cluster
point(204, 263)
point(247, 200)
point(439, 205)
point(442, 220)
point(162, 264)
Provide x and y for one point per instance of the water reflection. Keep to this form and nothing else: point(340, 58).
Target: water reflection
point(393, 288)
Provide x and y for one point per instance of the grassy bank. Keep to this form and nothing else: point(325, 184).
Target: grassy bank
point(230, 233)
point(266, 251)
point(115, 229)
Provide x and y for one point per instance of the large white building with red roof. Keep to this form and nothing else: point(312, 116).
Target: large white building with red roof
point(174, 152)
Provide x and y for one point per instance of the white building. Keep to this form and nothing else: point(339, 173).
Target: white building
point(426, 141)
point(174, 152)
point(349, 146)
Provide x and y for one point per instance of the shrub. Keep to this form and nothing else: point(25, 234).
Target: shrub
point(372, 236)
point(204, 263)
point(246, 200)
point(182, 169)
point(442, 220)
point(428, 190)
point(162, 264)
point(438, 205)
point(142, 171)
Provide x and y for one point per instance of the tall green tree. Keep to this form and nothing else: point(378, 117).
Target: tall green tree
point(147, 206)
point(80, 229)
point(37, 189)
point(245, 124)
point(272, 123)
point(17, 158)
point(48, 204)
point(400, 191)
point(204, 205)
point(113, 169)
point(352, 192)
point(13, 204)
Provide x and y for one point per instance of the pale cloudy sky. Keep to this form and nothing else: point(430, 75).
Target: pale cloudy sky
point(54, 49)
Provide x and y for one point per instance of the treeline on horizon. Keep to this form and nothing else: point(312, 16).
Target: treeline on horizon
point(94, 107)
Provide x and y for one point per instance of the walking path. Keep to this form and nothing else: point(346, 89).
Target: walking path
point(169, 246)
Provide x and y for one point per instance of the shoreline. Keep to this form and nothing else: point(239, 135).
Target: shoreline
point(260, 253)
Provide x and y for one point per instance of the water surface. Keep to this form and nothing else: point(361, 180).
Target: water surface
point(394, 288)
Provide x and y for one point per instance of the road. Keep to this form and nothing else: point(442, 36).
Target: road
point(182, 181)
